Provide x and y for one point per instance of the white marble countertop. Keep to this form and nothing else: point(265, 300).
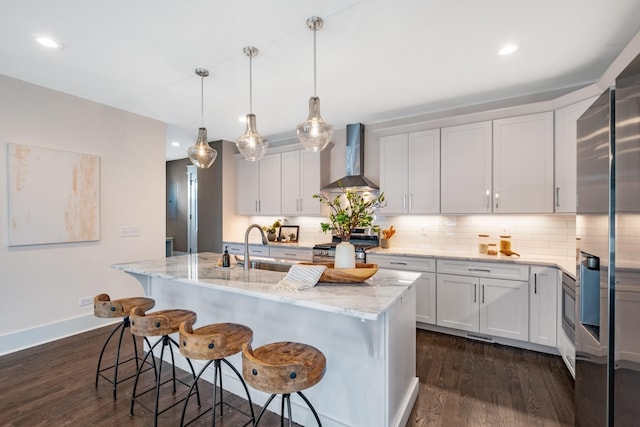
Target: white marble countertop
point(567, 264)
point(367, 300)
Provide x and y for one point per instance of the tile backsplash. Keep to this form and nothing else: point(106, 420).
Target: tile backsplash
point(530, 234)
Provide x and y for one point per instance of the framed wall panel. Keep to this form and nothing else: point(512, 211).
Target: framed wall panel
point(54, 196)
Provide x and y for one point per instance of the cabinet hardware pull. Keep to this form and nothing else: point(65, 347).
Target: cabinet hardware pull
point(404, 202)
point(535, 283)
point(256, 206)
point(487, 199)
point(301, 208)
point(397, 263)
point(475, 293)
point(485, 270)
point(290, 254)
point(497, 199)
point(259, 205)
point(483, 294)
point(557, 197)
point(410, 201)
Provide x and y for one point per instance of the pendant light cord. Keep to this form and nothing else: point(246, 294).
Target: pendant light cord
point(314, 62)
point(250, 84)
point(202, 100)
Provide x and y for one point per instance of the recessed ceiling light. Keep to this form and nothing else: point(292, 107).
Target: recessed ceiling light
point(175, 144)
point(508, 49)
point(48, 42)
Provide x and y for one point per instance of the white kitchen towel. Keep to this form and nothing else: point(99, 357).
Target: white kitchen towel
point(301, 277)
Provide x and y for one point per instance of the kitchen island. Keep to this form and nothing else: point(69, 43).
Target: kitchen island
point(366, 331)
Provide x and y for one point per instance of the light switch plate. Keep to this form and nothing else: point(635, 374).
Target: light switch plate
point(129, 231)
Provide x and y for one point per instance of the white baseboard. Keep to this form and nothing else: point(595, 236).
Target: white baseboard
point(31, 337)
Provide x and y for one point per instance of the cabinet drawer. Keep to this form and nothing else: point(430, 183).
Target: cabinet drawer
point(484, 269)
point(259, 250)
point(234, 248)
point(413, 263)
point(291, 253)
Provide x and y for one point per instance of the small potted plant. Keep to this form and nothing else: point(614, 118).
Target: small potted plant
point(348, 210)
point(271, 230)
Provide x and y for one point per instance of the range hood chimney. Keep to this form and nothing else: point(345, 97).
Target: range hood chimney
point(355, 178)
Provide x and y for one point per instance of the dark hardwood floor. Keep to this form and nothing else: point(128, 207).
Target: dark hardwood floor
point(470, 383)
point(462, 383)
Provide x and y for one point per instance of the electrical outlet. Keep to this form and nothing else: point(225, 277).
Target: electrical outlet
point(85, 301)
point(129, 231)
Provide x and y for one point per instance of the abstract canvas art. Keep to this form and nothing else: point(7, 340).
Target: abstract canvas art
point(54, 196)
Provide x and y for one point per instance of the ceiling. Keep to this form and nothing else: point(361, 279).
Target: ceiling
point(376, 59)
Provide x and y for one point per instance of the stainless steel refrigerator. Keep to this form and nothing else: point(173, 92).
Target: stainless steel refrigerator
point(607, 314)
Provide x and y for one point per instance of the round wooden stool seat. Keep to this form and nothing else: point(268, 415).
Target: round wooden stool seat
point(213, 342)
point(283, 367)
point(104, 307)
point(159, 323)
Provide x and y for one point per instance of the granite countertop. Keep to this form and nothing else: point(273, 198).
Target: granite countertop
point(367, 300)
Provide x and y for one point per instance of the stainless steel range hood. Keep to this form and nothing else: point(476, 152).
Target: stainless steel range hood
point(354, 179)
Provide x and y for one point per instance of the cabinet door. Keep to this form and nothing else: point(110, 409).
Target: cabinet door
point(269, 184)
point(504, 308)
point(426, 298)
point(565, 155)
point(465, 186)
point(247, 191)
point(543, 298)
point(423, 183)
point(457, 302)
point(290, 183)
point(393, 173)
point(309, 182)
point(523, 164)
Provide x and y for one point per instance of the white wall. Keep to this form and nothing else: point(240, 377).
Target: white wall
point(41, 285)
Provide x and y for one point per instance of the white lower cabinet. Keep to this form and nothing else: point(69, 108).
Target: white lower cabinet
point(543, 305)
point(489, 306)
point(479, 298)
point(425, 284)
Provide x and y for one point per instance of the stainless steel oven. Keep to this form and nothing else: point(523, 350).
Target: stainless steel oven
point(569, 306)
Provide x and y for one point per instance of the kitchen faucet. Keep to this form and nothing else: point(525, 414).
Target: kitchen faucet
point(265, 241)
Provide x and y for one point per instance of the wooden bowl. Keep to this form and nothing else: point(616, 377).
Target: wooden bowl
point(347, 275)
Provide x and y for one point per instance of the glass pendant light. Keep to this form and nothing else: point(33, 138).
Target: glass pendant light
point(251, 144)
point(201, 154)
point(314, 133)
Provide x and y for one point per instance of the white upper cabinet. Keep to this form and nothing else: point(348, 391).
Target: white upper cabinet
point(258, 186)
point(466, 168)
point(565, 155)
point(523, 164)
point(410, 172)
point(300, 181)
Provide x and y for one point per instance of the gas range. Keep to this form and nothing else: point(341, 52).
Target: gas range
point(362, 239)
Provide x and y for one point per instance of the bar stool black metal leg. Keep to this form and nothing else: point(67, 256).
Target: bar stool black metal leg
point(157, 373)
point(246, 389)
point(121, 325)
point(264, 409)
point(315, 414)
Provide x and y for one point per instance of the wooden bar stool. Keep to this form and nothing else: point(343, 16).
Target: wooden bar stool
point(160, 323)
point(104, 307)
point(215, 343)
point(283, 368)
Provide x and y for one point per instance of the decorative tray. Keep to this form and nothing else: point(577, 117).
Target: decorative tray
point(347, 275)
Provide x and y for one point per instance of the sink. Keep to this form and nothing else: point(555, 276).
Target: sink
point(262, 264)
point(271, 266)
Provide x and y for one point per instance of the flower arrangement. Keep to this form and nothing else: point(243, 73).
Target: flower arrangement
point(348, 211)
